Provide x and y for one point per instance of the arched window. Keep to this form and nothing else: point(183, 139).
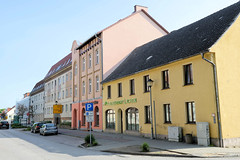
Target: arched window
point(110, 119)
point(90, 85)
point(97, 83)
point(83, 117)
point(97, 56)
point(75, 69)
point(90, 61)
point(96, 116)
point(83, 90)
point(83, 64)
point(132, 116)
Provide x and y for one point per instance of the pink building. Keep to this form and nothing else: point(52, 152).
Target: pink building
point(97, 57)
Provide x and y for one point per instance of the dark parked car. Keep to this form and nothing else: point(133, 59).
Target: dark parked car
point(48, 128)
point(36, 127)
point(4, 124)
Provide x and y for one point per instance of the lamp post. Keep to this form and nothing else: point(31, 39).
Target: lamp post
point(149, 84)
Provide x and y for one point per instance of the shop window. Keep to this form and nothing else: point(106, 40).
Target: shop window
point(132, 116)
point(96, 116)
point(110, 119)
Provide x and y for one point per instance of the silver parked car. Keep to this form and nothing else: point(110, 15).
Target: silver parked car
point(48, 128)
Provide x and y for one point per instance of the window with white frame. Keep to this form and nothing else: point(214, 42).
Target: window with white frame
point(83, 63)
point(89, 61)
point(83, 90)
point(97, 57)
point(97, 83)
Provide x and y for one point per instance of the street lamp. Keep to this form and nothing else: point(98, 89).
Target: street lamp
point(149, 84)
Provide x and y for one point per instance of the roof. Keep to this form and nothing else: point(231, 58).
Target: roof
point(60, 65)
point(38, 86)
point(99, 32)
point(183, 43)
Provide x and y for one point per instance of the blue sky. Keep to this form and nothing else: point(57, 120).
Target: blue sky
point(34, 35)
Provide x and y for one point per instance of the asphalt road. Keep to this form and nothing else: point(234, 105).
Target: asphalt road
point(22, 145)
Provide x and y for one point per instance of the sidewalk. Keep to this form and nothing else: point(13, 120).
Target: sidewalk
point(126, 144)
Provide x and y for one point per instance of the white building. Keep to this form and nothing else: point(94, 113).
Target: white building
point(24, 102)
point(10, 114)
point(58, 89)
point(37, 102)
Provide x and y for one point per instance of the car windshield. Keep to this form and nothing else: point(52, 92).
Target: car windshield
point(4, 122)
point(50, 125)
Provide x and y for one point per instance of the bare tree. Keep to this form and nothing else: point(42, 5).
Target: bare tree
point(21, 110)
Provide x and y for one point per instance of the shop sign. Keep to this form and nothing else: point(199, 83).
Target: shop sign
point(125, 101)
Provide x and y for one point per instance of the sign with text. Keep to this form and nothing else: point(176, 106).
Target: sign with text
point(57, 108)
point(89, 106)
point(89, 118)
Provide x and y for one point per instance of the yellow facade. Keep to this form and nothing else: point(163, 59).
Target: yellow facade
point(227, 51)
point(201, 92)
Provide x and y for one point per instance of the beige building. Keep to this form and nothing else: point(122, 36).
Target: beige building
point(98, 56)
point(37, 103)
point(58, 89)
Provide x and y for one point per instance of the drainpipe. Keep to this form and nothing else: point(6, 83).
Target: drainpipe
point(217, 99)
point(102, 70)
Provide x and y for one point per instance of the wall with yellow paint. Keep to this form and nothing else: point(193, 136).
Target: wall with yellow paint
point(201, 92)
point(227, 51)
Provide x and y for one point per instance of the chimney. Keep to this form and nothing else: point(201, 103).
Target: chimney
point(138, 8)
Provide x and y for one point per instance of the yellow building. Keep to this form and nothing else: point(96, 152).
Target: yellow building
point(195, 72)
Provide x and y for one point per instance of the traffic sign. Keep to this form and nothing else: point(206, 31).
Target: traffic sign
point(89, 118)
point(89, 106)
point(90, 113)
point(57, 109)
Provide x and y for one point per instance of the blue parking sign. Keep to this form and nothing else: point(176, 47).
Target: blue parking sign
point(89, 106)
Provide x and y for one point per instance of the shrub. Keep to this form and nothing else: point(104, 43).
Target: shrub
point(27, 129)
point(145, 147)
point(87, 139)
point(95, 143)
point(66, 123)
point(17, 125)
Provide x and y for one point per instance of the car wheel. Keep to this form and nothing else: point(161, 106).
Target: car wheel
point(31, 131)
point(34, 131)
point(56, 133)
point(44, 134)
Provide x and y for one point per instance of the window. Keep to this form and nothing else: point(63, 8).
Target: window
point(75, 91)
point(83, 64)
point(75, 69)
point(109, 92)
point(90, 85)
point(119, 89)
point(191, 115)
point(70, 75)
point(83, 117)
point(66, 107)
point(59, 81)
point(110, 119)
point(145, 80)
point(55, 82)
point(66, 77)
point(66, 93)
point(147, 114)
point(70, 107)
point(188, 78)
point(52, 84)
point(89, 61)
point(165, 79)
point(63, 79)
point(59, 95)
point(83, 90)
point(54, 96)
point(96, 116)
point(70, 91)
point(97, 83)
point(167, 113)
point(132, 87)
point(97, 57)
point(63, 108)
point(62, 94)
point(132, 115)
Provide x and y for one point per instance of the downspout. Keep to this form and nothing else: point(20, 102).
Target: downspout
point(102, 71)
point(217, 100)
